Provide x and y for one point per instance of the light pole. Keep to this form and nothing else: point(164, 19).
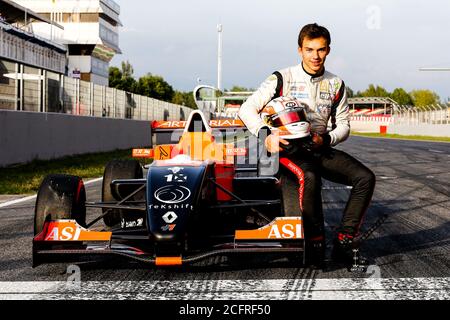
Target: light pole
point(434, 69)
point(219, 58)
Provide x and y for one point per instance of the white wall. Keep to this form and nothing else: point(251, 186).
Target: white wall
point(82, 63)
point(102, 81)
point(433, 130)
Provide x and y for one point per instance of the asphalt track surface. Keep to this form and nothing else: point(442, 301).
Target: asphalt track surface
point(409, 252)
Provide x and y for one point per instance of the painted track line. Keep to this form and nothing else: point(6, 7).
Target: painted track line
point(12, 202)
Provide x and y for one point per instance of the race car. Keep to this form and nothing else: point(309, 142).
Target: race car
point(208, 192)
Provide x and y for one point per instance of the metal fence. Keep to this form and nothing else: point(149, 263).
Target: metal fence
point(38, 90)
point(95, 100)
point(431, 114)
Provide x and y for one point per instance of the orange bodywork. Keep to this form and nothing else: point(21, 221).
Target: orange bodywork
point(201, 146)
point(70, 230)
point(280, 228)
point(168, 261)
point(198, 146)
point(220, 123)
point(143, 153)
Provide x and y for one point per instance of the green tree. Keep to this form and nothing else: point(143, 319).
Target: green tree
point(185, 99)
point(424, 97)
point(240, 89)
point(400, 96)
point(373, 91)
point(127, 84)
point(189, 100)
point(149, 85)
point(155, 87)
point(127, 69)
point(115, 77)
point(122, 79)
point(350, 93)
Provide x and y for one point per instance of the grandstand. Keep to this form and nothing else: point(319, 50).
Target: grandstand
point(372, 106)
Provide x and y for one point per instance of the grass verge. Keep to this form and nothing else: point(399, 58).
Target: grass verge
point(25, 179)
point(398, 136)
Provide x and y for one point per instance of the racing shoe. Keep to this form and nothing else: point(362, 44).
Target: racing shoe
point(315, 253)
point(346, 251)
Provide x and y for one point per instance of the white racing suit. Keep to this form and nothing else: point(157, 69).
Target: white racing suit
point(325, 95)
point(328, 114)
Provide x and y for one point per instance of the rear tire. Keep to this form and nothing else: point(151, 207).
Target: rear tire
point(117, 169)
point(60, 196)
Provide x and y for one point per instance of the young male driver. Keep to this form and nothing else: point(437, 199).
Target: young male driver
point(326, 96)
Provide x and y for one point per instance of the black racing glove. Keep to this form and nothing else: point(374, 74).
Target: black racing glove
point(326, 139)
point(321, 141)
point(307, 145)
point(303, 145)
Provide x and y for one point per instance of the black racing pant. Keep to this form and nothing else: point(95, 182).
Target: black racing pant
point(333, 165)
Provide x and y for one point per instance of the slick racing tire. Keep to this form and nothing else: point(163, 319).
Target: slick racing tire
point(60, 196)
point(117, 169)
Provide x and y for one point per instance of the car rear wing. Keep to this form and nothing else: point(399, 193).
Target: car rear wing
point(233, 141)
point(217, 124)
point(166, 134)
point(169, 132)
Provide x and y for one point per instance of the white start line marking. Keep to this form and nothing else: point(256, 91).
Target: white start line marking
point(277, 289)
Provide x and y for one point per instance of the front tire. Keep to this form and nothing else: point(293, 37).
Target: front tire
point(117, 169)
point(60, 196)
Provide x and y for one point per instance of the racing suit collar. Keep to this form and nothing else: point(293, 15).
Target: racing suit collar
point(313, 77)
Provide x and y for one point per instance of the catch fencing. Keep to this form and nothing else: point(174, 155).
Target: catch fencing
point(25, 88)
point(430, 120)
point(430, 114)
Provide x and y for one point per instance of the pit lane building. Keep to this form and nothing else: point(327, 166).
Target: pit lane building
point(46, 111)
point(30, 66)
point(90, 32)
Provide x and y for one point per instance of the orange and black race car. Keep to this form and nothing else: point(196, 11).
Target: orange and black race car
point(208, 192)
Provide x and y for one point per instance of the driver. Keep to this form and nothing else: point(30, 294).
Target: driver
point(326, 98)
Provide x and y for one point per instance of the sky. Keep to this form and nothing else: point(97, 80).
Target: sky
point(381, 42)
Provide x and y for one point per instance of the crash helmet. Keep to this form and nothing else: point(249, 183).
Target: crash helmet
point(287, 115)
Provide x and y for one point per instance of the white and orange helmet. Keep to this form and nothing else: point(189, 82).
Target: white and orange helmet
point(287, 115)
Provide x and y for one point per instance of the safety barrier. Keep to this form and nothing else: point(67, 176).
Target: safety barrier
point(26, 136)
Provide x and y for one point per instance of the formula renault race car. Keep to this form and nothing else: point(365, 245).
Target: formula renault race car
point(205, 194)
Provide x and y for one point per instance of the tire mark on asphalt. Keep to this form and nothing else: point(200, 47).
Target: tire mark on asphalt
point(437, 288)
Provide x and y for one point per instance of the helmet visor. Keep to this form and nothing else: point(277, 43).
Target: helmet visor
point(287, 117)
